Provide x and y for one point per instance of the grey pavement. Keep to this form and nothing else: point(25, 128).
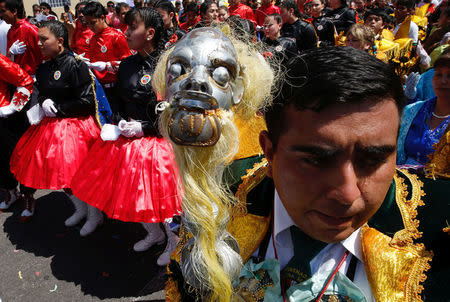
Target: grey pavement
point(45, 261)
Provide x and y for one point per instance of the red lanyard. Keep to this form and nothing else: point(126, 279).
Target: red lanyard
point(329, 279)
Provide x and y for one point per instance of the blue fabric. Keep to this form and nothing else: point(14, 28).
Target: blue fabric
point(425, 86)
point(104, 110)
point(416, 139)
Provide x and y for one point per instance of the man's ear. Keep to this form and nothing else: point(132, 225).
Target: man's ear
point(267, 147)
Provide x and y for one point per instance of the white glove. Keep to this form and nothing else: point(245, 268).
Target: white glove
point(445, 39)
point(259, 28)
point(99, 66)
point(424, 57)
point(5, 111)
point(410, 85)
point(17, 48)
point(49, 108)
point(110, 132)
point(131, 129)
point(83, 58)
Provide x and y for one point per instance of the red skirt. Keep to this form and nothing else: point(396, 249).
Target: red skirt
point(50, 153)
point(133, 180)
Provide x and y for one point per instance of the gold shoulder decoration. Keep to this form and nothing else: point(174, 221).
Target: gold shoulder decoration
point(396, 266)
point(249, 181)
point(248, 229)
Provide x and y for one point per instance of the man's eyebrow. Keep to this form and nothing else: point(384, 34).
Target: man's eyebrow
point(315, 150)
point(378, 150)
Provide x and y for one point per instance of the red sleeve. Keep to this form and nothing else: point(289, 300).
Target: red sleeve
point(121, 47)
point(13, 74)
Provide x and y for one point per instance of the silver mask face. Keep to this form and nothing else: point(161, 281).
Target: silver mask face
point(202, 76)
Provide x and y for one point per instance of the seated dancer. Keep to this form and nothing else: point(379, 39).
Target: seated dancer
point(12, 122)
point(132, 175)
point(328, 217)
point(210, 82)
point(49, 153)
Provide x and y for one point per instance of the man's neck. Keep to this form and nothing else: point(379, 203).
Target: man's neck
point(16, 20)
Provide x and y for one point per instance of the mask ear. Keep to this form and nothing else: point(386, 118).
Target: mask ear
point(238, 89)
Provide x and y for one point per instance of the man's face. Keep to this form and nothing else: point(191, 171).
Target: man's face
point(45, 10)
point(123, 12)
point(374, 22)
point(80, 14)
point(332, 169)
point(95, 24)
point(6, 14)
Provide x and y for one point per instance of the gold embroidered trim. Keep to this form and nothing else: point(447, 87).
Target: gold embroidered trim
point(404, 239)
point(249, 181)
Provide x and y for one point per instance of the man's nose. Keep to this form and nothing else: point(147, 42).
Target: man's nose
point(344, 184)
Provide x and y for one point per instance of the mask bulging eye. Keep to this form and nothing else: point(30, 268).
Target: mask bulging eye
point(221, 76)
point(176, 70)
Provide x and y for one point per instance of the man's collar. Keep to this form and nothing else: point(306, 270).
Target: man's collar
point(281, 220)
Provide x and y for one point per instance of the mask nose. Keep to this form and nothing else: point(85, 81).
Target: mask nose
point(198, 81)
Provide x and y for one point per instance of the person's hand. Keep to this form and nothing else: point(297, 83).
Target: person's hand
point(423, 55)
point(131, 129)
point(48, 106)
point(99, 66)
point(17, 48)
point(410, 85)
point(6, 111)
point(83, 58)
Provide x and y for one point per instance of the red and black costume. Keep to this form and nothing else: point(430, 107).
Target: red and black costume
point(81, 38)
point(132, 179)
point(25, 32)
point(49, 153)
point(108, 46)
point(13, 123)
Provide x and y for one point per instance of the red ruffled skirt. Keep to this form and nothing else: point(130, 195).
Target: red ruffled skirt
point(134, 180)
point(50, 153)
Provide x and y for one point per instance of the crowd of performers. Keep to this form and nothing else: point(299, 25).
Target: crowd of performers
point(79, 110)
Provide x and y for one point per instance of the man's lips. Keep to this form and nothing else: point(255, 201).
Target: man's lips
point(335, 221)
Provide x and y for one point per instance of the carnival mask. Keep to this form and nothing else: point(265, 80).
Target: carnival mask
point(203, 78)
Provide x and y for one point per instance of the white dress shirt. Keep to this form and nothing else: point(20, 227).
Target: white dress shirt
point(327, 259)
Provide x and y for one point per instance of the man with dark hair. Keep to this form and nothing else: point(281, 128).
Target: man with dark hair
point(107, 47)
point(82, 34)
point(22, 38)
point(405, 28)
point(294, 27)
point(121, 10)
point(327, 211)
